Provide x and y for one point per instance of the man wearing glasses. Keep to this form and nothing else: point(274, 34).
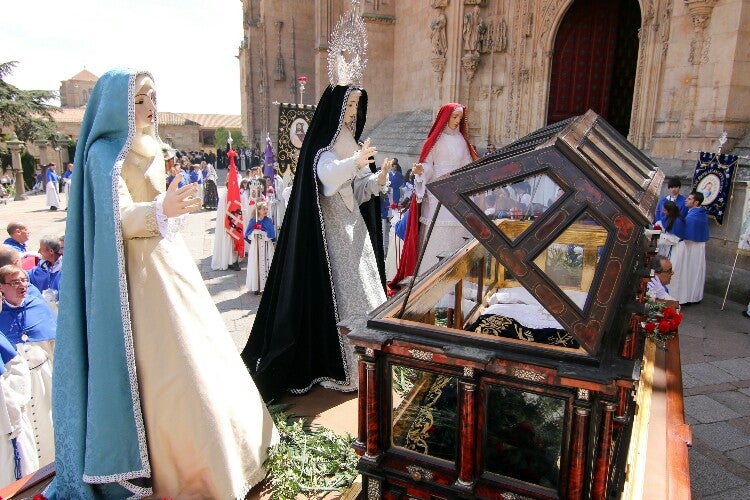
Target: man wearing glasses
point(657, 287)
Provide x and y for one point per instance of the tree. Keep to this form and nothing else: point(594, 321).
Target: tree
point(222, 135)
point(25, 111)
point(28, 164)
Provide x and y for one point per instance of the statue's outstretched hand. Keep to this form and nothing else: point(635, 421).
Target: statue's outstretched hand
point(366, 153)
point(178, 200)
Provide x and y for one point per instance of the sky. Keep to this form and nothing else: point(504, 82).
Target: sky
point(190, 46)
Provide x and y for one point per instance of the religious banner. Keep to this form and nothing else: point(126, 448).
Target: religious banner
point(293, 122)
point(713, 177)
point(233, 216)
point(744, 243)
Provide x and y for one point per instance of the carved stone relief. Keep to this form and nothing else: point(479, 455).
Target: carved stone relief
point(664, 25)
point(493, 35)
point(699, 48)
point(470, 62)
point(438, 66)
point(438, 36)
point(439, 39)
point(471, 27)
point(439, 4)
point(487, 91)
point(700, 12)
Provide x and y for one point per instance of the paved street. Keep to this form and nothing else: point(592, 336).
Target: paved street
point(715, 347)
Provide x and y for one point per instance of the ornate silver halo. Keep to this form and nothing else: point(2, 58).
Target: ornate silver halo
point(347, 50)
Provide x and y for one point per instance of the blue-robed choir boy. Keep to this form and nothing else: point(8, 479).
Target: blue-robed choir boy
point(691, 266)
point(674, 195)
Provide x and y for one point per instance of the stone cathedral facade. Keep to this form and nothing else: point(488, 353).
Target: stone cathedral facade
point(670, 75)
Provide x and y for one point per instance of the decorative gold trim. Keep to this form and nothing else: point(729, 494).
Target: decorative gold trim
point(583, 394)
point(422, 355)
point(468, 371)
point(582, 411)
point(419, 473)
point(525, 374)
point(369, 352)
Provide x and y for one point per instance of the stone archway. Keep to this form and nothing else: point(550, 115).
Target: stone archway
point(594, 61)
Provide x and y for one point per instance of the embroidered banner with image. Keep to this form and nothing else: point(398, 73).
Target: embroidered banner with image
point(744, 242)
point(293, 122)
point(713, 177)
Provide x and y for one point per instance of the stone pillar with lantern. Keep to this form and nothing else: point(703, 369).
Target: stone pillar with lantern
point(14, 145)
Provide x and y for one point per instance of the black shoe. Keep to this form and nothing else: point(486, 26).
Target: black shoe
point(235, 266)
point(745, 314)
point(53, 208)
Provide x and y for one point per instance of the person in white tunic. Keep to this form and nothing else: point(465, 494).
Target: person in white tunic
point(53, 187)
point(17, 441)
point(690, 263)
point(260, 235)
point(29, 324)
point(447, 148)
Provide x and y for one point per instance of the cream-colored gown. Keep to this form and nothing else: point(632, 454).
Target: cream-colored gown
point(207, 428)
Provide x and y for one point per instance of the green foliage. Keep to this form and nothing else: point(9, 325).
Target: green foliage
point(6, 160)
point(28, 163)
point(309, 459)
point(221, 135)
point(25, 111)
point(72, 150)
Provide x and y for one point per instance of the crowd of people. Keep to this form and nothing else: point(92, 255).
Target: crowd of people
point(683, 223)
point(30, 284)
point(247, 158)
point(263, 202)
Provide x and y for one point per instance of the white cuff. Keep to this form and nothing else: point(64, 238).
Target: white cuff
point(168, 227)
point(419, 186)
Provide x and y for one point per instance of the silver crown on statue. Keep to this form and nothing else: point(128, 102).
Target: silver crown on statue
point(347, 49)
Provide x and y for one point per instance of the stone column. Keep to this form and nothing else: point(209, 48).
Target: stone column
point(15, 149)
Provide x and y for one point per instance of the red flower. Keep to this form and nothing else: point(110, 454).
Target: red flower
point(677, 319)
point(394, 206)
point(674, 324)
point(257, 226)
point(669, 313)
point(657, 226)
point(665, 326)
point(39, 496)
point(649, 327)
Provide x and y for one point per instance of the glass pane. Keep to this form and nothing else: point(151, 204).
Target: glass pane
point(425, 412)
point(522, 200)
point(571, 260)
point(470, 287)
point(524, 435)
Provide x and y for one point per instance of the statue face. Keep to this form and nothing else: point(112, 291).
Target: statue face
point(455, 118)
point(145, 110)
point(350, 112)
